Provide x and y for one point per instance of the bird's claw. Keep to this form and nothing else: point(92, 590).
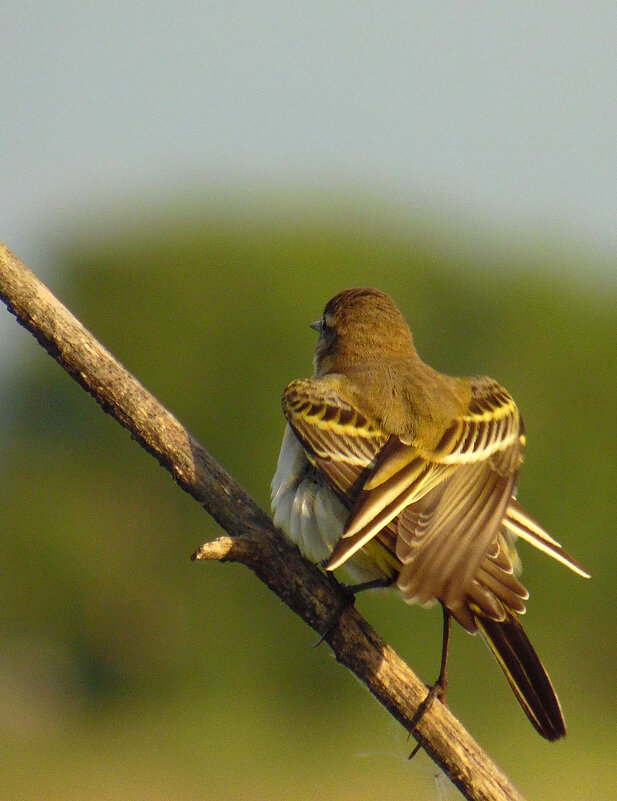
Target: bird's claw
point(347, 593)
point(347, 598)
point(438, 691)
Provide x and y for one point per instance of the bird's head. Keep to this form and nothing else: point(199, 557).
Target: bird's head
point(358, 326)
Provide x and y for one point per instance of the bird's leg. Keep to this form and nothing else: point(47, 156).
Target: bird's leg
point(375, 584)
point(349, 592)
point(440, 688)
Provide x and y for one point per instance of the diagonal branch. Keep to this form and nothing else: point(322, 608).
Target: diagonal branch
point(252, 539)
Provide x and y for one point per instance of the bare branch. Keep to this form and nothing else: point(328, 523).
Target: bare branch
point(252, 539)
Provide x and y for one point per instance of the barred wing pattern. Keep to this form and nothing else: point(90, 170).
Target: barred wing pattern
point(340, 441)
point(449, 499)
point(446, 512)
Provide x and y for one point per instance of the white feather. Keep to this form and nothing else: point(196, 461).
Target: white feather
point(309, 513)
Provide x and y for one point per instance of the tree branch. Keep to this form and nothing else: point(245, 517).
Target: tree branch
point(252, 539)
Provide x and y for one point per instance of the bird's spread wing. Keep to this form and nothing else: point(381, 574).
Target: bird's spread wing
point(447, 512)
point(338, 439)
point(449, 499)
point(444, 504)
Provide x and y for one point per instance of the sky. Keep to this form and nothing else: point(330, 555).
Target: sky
point(498, 115)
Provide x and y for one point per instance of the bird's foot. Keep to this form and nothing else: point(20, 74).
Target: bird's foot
point(438, 691)
point(347, 593)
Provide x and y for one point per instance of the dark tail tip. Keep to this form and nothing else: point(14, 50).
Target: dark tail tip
point(525, 673)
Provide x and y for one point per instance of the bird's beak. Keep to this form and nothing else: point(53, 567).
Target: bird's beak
point(316, 326)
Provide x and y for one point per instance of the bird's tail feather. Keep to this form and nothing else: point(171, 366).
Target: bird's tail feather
point(525, 673)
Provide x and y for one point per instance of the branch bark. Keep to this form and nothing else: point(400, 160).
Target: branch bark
point(252, 539)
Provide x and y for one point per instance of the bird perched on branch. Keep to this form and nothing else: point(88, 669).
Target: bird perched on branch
point(408, 477)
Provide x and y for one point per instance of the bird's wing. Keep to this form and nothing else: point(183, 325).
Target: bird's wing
point(339, 440)
point(449, 500)
point(519, 523)
point(444, 506)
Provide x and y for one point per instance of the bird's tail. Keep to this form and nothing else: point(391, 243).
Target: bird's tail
point(525, 673)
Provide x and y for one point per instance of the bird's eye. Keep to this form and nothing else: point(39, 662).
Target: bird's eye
point(323, 326)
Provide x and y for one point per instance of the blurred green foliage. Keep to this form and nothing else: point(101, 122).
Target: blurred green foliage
point(126, 671)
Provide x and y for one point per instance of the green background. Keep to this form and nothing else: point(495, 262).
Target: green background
point(127, 671)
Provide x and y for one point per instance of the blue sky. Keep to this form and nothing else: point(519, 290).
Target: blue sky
point(495, 114)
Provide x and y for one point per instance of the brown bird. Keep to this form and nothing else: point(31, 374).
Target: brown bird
point(407, 476)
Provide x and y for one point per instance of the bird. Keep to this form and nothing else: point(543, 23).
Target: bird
point(407, 477)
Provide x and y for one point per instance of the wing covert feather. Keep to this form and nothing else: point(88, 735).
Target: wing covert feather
point(445, 502)
point(340, 441)
point(469, 473)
